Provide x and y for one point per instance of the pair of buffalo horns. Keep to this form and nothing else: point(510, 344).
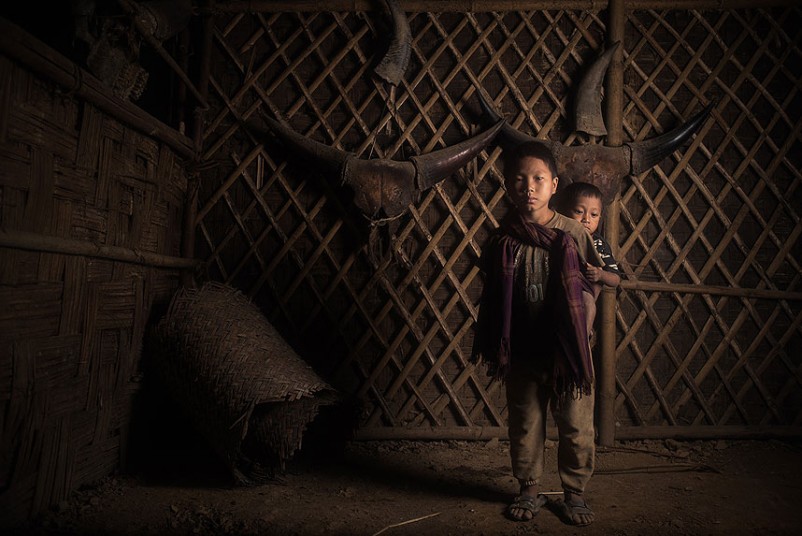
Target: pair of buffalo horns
point(384, 188)
point(598, 164)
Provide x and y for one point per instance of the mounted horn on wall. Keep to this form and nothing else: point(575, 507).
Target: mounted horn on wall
point(394, 63)
point(598, 164)
point(392, 66)
point(588, 114)
point(383, 189)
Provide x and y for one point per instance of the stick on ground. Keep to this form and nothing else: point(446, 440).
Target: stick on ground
point(406, 522)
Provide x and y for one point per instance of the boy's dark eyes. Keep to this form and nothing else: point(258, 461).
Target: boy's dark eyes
point(581, 210)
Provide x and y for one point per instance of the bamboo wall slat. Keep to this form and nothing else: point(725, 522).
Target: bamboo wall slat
point(89, 209)
point(706, 323)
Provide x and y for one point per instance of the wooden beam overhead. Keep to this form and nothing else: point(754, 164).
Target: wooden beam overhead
point(464, 6)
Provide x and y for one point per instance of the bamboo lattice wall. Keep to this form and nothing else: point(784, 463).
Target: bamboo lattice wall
point(726, 216)
point(88, 211)
point(709, 320)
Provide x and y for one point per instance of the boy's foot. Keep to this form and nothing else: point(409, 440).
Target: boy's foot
point(576, 511)
point(525, 507)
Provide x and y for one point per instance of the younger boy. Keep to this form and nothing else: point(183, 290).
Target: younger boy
point(582, 201)
point(532, 332)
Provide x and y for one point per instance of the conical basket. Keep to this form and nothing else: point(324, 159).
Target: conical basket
point(241, 384)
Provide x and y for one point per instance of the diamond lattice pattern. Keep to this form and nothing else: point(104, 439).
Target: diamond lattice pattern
point(724, 212)
point(398, 333)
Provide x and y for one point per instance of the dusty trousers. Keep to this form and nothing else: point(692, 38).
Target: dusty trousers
point(529, 396)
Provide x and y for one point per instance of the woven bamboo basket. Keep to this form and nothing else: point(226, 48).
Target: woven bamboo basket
point(239, 382)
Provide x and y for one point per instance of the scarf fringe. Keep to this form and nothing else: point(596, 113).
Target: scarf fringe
point(503, 359)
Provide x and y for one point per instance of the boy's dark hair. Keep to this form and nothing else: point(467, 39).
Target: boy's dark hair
point(566, 198)
point(531, 149)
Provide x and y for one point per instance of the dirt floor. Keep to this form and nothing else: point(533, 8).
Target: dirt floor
point(454, 487)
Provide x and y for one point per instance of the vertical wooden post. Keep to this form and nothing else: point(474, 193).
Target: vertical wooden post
point(615, 133)
point(191, 206)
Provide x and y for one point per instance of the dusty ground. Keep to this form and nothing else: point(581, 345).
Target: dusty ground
point(650, 488)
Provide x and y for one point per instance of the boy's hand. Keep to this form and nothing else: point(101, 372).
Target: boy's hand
point(593, 273)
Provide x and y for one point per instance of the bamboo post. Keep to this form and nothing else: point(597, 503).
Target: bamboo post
point(191, 206)
point(614, 111)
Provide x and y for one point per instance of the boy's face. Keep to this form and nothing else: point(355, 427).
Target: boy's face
point(530, 184)
point(587, 211)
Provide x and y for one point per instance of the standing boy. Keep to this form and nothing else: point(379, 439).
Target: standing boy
point(532, 332)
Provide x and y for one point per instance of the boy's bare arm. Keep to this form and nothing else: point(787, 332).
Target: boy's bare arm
point(597, 275)
point(610, 279)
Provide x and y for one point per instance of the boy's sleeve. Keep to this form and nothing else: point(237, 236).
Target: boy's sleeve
point(587, 249)
point(606, 254)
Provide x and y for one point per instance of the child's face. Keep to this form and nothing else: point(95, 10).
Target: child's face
point(530, 184)
point(587, 211)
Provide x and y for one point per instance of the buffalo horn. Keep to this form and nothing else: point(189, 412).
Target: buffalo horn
point(394, 63)
point(509, 137)
point(320, 153)
point(433, 167)
point(589, 95)
point(648, 153)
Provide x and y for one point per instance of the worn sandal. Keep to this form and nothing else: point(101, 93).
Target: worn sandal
point(579, 515)
point(527, 503)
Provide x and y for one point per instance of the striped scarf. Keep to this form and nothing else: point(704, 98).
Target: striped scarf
point(573, 368)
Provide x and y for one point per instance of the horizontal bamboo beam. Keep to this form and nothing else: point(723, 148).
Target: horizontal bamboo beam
point(431, 6)
point(432, 433)
point(480, 433)
point(68, 246)
point(24, 48)
point(411, 6)
point(755, 293)
point(708, 432)
point(439, 433)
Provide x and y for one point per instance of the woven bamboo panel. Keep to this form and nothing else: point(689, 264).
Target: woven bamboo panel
point(399, 335)
point(71, 326)
point(724, 213)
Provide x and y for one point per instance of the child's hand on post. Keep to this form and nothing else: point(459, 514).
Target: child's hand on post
point(594, 273)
